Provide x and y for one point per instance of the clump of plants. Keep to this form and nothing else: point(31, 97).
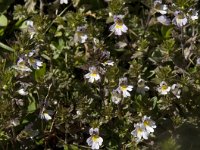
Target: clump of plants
point(99, 74)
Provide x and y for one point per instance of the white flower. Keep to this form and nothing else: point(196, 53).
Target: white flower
point(108, 62)
point(149, 124)
point(63, 1)
point(176, 90)
point(46, 115)
point(31, 53)
point(80, 35)
point(179, 19)
point(21, 66)
point(164, 88)
point(124, 88)
point(14, 122)
point(95, 141)
point(164, 20)
point(30, 28)
point(93, 75)
point(115, 97)
point(140, 132)
point(141, 87)
point(22, 92)
point(118, 27)
point(159, 7)
point(192, 14)
point(29, 23)
point(198, 61)
point(36, 64)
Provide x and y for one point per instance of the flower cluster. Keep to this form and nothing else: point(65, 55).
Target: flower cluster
point(164, 89)
point(180, 18)
point(96, 71)
point(143, 129)
point(27, 62)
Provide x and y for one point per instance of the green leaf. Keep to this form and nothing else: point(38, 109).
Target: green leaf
point(39, 74)
point(3, 21)
point(6, 47)
point(166, 31)
point(32, 106)
point(154, 99)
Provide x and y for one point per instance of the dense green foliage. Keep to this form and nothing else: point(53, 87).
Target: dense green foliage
point(46, 99)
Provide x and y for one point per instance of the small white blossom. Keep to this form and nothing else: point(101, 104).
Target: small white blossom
point(163, 89)
point(141, 87)
point(29, 23)
point(180, 19)
point(14, 122)
point(108, 63)
point(118, 27)
point(124, 88)
point(63, 1)
point(22, 92)
point(95, 141)
point(176, 90)
point(149, 124)
point(93, 75)
point(159, 7)
point(80, 35)
point(140, 132)
point(36, 64)
point(115, 97)
point(30, 28)
point(198, 61)
point(31, 53)
point(21, 66)
point(164, 20)
point(46, 115)
point(193, 14)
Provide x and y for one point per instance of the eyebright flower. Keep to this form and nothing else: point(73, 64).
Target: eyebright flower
point(31, 53)
point(29, 23)
point(164, 20)
point(192, 14)
point(22, 92)
point(30, 28)
point(95, 141)
point(14, 122)
point(149, 124)
point(141, 87)
point(118, 27)
point(93, 75)
point(21, 66)
point(198, 61)
point(164, 88)
point(108, 63)
point(180, 19)
point(159, 7)
point(140, 132)
point(46, 115)
point(63, 1)
point(176, 90)
point(36, 64)
point(124, 88)
point(115, 97)
point(80, 35)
